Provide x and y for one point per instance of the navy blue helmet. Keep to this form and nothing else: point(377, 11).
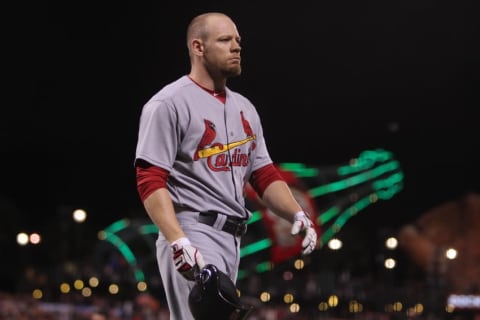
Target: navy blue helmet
point(214, 296)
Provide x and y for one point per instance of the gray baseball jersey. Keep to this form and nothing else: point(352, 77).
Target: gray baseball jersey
point(209, 148)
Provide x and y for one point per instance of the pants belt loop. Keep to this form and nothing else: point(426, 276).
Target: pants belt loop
point(220, 221)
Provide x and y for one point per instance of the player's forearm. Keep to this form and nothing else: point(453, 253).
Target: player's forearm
point(279, 199)
point(159, 207)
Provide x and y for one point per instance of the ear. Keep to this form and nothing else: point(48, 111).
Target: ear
point(197, 47)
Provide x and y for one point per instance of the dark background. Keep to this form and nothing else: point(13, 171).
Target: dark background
point(330, 79)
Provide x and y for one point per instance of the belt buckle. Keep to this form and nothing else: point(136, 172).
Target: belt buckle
point(241, 229)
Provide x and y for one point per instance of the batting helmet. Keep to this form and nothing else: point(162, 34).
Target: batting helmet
point(214, 296)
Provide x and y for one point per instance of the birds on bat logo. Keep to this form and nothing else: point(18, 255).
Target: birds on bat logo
point(215, 152)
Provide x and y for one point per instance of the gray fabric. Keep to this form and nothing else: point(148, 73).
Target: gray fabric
point(217, 247)
point(172, 127)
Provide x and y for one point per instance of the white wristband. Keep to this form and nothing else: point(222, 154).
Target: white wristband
point(181, 242)
point(299, 215)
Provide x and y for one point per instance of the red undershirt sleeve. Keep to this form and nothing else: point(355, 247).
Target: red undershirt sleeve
point(261, 178)
point(149, 178)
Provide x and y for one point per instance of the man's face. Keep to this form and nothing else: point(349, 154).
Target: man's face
point(222, 48)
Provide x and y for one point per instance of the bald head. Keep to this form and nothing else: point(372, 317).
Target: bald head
point(199, 26)
point(214, 48)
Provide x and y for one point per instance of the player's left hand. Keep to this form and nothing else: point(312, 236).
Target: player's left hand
point(303, 225)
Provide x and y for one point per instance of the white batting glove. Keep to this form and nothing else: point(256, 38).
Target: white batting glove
point(303, 225)
point(187, 259)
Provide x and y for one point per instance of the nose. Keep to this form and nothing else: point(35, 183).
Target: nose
point(236, 47)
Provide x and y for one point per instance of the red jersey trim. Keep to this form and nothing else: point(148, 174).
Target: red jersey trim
point(149, 179)
point(263, 177)
point(221, 96)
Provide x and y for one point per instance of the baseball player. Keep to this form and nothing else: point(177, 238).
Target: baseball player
point(199, 143)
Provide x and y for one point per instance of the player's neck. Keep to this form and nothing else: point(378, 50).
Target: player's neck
point(204, 80)
point(220, 95)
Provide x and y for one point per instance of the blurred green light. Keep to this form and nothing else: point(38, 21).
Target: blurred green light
point(327, 215)
point(121, 246)
point(254, 247)
point(126, 253)
point(261, 267)
point(264, 266)
point(354, 180)
point(365, 160)
point(117, 226)
point(256, 215)
point(300, 170)
point(139, 276)
point(148, 229)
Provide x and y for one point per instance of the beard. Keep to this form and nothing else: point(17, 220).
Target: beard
point(232, 71)
point(223, 70)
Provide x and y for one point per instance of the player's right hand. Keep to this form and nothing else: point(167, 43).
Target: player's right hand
point(187, 259)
